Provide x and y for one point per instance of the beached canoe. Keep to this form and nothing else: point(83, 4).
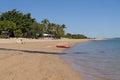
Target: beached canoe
point(63, 46)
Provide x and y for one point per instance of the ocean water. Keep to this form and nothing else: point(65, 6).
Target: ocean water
point(95, 60)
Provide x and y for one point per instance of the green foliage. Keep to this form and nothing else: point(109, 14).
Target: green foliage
point(18, 33)
point(52, 28)
point(36, 30)
point(22, 21)
point(7, 26)
point(68, 35)
point(18, 24)
point(75, 36)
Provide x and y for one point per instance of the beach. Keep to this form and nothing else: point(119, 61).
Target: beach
point(35, 59)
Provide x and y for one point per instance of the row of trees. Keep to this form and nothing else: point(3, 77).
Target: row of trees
point(16, 24)
point(75, 36)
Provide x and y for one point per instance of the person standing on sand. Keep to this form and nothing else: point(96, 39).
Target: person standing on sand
point(19, 41)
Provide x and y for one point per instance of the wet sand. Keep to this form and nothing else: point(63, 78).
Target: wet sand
point(35, 60)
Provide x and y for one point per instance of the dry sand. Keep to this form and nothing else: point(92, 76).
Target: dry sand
point(35, 60)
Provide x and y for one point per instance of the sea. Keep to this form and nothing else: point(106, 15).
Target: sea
point(95, 60)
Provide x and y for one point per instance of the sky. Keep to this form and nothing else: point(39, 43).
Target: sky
point(93, 18)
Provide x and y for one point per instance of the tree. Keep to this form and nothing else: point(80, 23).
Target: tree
point(22, 21)
point(68, 35)
point(60, 30)
point(52, 28)
point(7, 26)
point(45, 23)
point(75, 36)
point(17, 24)
point(36, 30)
point(18, 33)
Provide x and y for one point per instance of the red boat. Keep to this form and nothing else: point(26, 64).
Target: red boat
point(63, 46)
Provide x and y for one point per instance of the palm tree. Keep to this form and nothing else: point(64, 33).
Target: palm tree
point(60, 30)
point(63, 26)
point(45, 22)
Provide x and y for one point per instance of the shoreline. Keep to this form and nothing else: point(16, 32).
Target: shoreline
point(35, 60)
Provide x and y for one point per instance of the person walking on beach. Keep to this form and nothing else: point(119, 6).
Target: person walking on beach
point(19, 41)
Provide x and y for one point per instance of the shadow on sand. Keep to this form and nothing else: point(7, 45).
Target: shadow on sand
point(31, 51)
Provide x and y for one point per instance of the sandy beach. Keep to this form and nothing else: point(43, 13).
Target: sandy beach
point(35, 60)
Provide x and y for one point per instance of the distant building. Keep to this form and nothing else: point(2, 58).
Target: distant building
point(48, 36)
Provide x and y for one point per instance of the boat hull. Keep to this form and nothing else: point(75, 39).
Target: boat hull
point(63, 46)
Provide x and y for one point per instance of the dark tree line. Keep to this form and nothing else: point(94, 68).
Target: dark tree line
point(17, 24)
point(75, 36)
